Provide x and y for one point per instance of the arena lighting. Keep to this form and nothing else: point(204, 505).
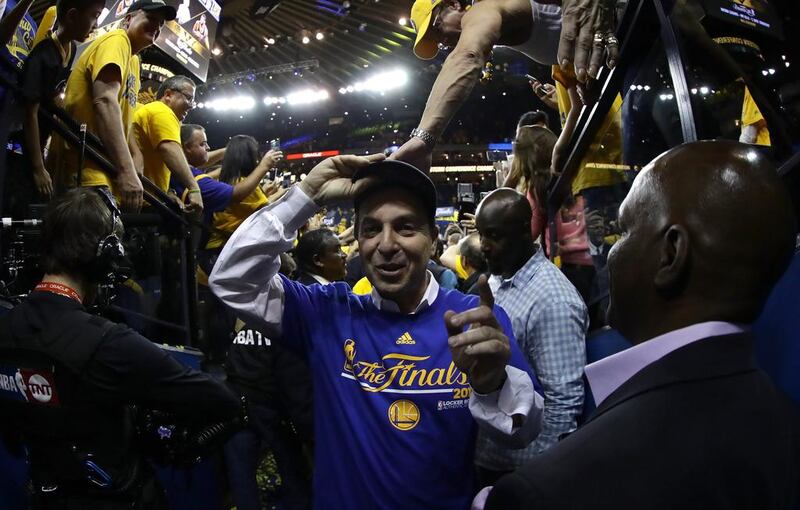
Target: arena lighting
point(402, 21)
point(704, 90)
point(270, 100)
point(380, 82)
point(270, 40)
point(306, 40)
point(307, 96)
point(235, 103)
point(320, 36)
point(216, 51)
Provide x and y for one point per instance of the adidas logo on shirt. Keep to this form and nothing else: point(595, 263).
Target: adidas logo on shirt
point(405, 339)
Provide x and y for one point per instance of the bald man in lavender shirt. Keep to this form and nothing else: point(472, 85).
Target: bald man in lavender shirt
point(684, 418)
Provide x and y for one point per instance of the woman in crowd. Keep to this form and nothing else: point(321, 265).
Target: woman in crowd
point(532, 173)
point(241, 158)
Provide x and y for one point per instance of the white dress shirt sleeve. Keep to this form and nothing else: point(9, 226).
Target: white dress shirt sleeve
point(245, 275)
point(495, 412)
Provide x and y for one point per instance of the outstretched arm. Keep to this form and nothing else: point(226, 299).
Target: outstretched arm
point(461, 70)
point(481, 29)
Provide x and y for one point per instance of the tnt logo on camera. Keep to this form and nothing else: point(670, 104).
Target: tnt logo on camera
point(35, 386)
point(39, 386)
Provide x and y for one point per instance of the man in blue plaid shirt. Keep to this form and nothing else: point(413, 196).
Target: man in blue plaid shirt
point(549, 320)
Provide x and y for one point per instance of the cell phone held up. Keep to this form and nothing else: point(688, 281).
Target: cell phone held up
point(275, 144)
point(495, 155)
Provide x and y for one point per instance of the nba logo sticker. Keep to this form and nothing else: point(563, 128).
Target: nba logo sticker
point(403, 415)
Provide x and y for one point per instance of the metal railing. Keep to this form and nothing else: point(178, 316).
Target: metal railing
point(168, 212)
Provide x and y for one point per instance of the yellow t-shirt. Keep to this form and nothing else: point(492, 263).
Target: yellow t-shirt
point(362, 287)
point(47, 24)
point(752, 115)
point(602, 164)
point(154, 123)
point(113, 48)
point(227, 221)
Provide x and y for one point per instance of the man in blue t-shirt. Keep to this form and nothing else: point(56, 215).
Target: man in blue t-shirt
point(216, 195)
point(400, 386)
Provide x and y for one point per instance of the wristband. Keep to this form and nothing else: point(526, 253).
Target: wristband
point(425, 136)
point(196, 190)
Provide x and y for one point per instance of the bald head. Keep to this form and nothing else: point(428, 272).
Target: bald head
point(507, 204)
point(503, 220)
point(709, 229)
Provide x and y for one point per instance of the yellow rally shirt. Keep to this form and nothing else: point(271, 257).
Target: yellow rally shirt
point(227, 221)
point(113, 48)
point(153, 124)
point(602, 164)
point(752, 115)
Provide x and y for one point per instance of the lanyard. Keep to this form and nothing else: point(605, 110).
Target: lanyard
point(60, 289)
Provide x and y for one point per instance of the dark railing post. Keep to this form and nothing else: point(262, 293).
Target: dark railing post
point(676, 70)
point(192, 299)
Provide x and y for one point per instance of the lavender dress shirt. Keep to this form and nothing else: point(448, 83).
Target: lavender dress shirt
point(608, 374)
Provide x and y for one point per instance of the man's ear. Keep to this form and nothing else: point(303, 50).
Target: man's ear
point(316, 260)
point(673, 263)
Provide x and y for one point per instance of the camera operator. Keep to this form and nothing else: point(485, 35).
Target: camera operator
point(83, 455)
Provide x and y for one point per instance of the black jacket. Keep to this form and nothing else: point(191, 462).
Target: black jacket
point(702, 428)
point(102, 368)
point(270, 375)
point(470, 285)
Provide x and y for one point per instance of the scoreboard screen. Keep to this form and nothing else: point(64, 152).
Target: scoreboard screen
point(757, 15)
point(188, 39)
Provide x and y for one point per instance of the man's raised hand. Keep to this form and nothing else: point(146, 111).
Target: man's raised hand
point(331, 181)
point(587, 33)
point(482, 350)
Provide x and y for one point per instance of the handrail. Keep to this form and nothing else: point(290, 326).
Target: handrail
point(67, 127)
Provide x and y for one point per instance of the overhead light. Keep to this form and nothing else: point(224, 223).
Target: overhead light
point(216, 50)
point(402, 21)
point(380, 82)
point(306, 40)
point(236, 103)
point(771, 70)
point(320, 36)
point(307, 96)
point(270, 40)
point(704, 90)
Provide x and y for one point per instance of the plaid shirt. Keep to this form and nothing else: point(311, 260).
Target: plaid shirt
point(549, 320)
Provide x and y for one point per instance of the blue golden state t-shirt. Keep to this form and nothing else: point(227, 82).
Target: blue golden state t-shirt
point(392, 424)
